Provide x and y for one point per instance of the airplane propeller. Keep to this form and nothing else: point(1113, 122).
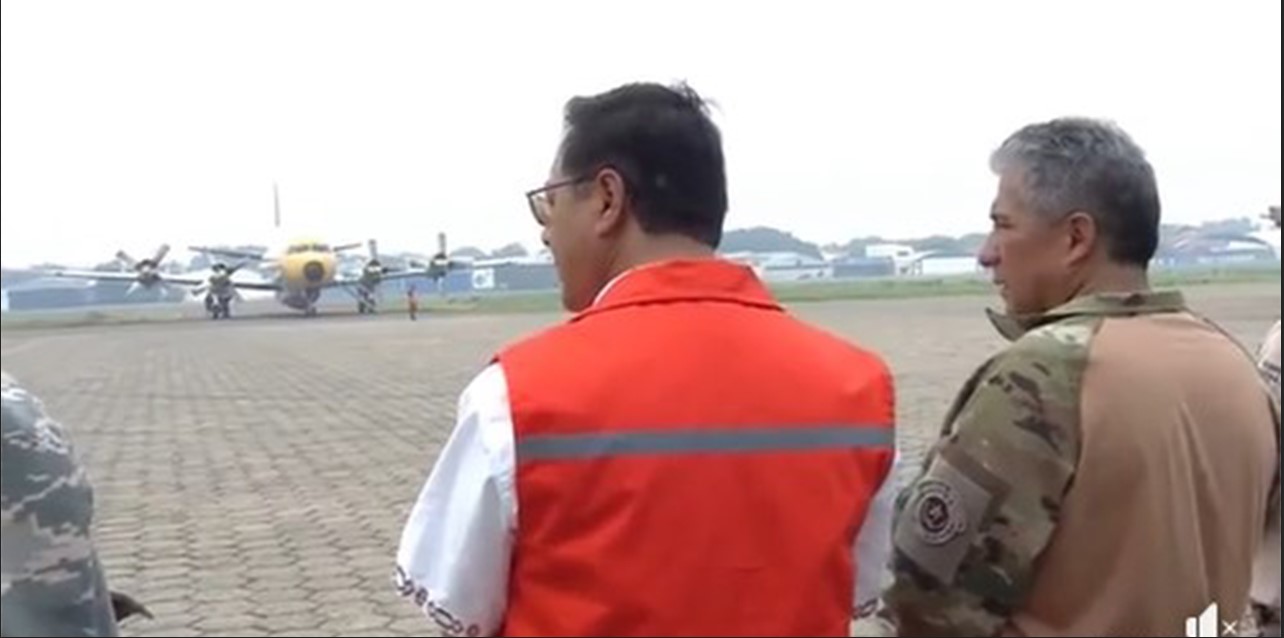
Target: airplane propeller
point(147, 270)
point(441, 262)
point(220, 278)
point(148, 264)
point(442, 258)
point(374, 270)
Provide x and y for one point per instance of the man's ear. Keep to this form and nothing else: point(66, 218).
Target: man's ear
point(1082, 235)
point(612, 197)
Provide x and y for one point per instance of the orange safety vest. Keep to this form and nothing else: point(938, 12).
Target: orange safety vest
point(691, 460)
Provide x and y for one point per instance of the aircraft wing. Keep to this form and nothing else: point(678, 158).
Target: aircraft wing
point(224, 252)
point(125, 276)
point(489, 263)
point(463, 263)
point(402, 274)
point(255, 285)
point(391, 276)
point(173, 280)
point(96, 275)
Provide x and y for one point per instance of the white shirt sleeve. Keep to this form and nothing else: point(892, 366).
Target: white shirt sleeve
point(873, 546)
point(453, 559)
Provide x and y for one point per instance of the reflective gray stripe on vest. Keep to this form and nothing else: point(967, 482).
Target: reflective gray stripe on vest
point(579, 446)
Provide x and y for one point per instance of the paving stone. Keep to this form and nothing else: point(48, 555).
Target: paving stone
point(245, 467)
point(230, 625)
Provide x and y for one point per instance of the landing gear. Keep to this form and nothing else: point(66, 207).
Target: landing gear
point(218, 308)
point(310, 309)
point(366, 303)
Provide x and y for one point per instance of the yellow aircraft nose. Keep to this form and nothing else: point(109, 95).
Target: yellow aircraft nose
point(314, 271)
point(308, 269)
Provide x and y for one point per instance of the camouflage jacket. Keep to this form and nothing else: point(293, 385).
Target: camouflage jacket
point(950, 576)
point(1266, 576)
point(51, 583)
point(1268, 360)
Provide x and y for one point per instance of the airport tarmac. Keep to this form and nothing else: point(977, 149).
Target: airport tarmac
point(253, 475)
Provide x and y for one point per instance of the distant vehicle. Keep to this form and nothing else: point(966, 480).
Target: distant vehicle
point(906, 260)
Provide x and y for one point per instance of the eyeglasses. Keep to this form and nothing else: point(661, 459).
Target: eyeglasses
point(539, 199)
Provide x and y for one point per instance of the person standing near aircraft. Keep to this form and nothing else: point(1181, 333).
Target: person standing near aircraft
point(681, 457)
point(1107, 474)
point(412, 303)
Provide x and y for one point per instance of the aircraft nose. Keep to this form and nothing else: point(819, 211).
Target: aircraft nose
point(314, 271)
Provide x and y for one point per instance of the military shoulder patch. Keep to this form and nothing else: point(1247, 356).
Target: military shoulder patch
point(938, 513)
point(944, 512)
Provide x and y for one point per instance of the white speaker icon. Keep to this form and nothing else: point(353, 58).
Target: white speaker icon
point(1208, 623)
point(1204, 624)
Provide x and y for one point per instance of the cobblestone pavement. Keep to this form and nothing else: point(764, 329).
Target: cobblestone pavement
point(253, 475)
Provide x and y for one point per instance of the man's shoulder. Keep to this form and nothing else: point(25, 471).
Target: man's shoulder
point(53, 582)
point(1066, 337)
point(44, 495)
point(35, 447)
point(551, 338)
point(1053, 350)
point(23, 415)
point(591, 334)
point(1036, 379)
point(1057, 351)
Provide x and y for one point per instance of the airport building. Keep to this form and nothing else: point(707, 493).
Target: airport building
point(944, 265)
point(48, 293)
point(1217, 250)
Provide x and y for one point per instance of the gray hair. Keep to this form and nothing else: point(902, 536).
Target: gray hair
point(1080, 164)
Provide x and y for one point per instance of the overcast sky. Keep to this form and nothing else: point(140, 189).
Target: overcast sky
point(126, 124)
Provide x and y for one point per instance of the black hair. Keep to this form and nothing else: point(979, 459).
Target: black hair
point(663, 143)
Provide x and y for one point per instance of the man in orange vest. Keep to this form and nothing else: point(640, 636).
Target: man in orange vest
point(682, 457)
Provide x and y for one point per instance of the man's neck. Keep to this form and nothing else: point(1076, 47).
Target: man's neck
point(650, 250)
point(1116, 279)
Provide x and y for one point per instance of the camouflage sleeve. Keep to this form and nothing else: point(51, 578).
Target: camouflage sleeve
point(1268, 360)
point(1269, 364)
point(51, 583)
point(1265, 591)
point(969, 528)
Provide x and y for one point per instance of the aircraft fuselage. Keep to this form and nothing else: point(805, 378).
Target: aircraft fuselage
point(302, 274)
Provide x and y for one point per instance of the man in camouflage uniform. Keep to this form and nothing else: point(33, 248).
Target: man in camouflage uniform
point(51, 583)
point(1108, 473)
